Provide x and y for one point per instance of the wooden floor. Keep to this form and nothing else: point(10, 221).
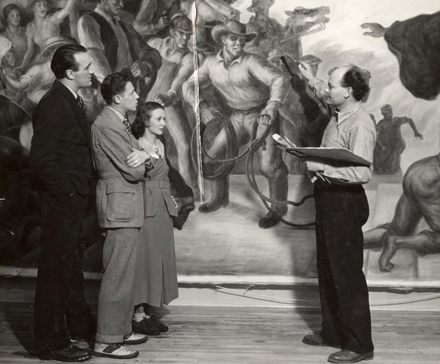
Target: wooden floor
point(244, 335)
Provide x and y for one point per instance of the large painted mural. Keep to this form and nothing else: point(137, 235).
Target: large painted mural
point(217, 125)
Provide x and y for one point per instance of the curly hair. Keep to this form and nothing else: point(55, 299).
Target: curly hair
point(143, 116)
point(8, 8)
point(113, 85)
point(358, 79)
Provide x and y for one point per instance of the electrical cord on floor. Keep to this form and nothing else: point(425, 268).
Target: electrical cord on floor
point(261, 297)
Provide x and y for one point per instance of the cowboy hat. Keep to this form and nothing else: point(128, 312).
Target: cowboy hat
point(54, 43)
point(255, 3)
point(231, 26)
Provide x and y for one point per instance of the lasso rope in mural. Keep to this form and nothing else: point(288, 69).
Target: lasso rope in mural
point(226, 165)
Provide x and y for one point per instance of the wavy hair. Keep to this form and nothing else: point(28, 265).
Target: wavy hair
point(143, 115)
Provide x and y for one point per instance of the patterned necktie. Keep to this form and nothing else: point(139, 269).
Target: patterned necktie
point(80, 102)
point(127, 125)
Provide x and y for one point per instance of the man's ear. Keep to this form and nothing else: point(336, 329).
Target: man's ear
point(348, 92)
point(117, 99)
point(69, 75)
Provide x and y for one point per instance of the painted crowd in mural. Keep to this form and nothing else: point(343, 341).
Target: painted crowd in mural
point(397, 43)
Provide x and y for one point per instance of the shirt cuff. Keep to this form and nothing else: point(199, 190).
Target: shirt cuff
point(271, 106)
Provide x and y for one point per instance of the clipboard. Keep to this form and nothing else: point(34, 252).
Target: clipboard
point(341, 155)
point(333, 154)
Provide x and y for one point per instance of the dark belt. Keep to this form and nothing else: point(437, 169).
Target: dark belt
point(157, 184)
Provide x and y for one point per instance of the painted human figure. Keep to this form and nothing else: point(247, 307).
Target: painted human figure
point(37, 81)
point(420, 199)
point(267, 29)
point(177, 67)
point(115, 46)
point(254, 89)
point(12, 15)
point(8, 63)
point(390, 143)
point(45, 26)
point(416, 44)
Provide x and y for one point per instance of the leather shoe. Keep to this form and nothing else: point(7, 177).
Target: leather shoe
point(146, 327)
point(317, 340)
point(268, 221)
point(160, 325)
point(69, 354)
point(347, 356)
point(114, 351)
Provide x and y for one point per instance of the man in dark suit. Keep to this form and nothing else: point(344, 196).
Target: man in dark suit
point(60, 158)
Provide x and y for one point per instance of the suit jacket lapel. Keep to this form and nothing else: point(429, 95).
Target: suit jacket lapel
point(79, 114)
point(113, 116)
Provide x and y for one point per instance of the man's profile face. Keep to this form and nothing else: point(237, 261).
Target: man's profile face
point(180, 38)
point(337, 94)
point(82, 77)
point(234, 44)
point(113, 7)
point(128, 100)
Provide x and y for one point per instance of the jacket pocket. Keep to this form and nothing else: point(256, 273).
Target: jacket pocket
point(150, 205)
point(120, 202)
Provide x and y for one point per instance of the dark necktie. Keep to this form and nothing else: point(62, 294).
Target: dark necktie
point(127, 125)
point(80, 102)
point(115, 21)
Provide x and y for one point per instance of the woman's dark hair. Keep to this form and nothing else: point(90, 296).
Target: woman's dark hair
point(143, 115)
point(64, 59)
point(113, 85)
point(8, 8)
point(358, 79)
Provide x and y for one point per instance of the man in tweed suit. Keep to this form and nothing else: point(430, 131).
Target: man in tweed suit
point(120, 209)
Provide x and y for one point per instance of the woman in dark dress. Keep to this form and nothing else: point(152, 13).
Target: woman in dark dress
point(156, 273)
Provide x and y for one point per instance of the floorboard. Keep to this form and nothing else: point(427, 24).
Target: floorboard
point(224, 335)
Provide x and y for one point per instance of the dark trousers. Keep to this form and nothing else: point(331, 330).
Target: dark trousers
point(341, 211)
point(60, 307)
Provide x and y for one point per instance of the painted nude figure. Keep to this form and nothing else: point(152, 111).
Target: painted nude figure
point(420, 199)
point(390, 143)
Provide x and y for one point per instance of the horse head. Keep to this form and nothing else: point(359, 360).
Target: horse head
point(300, 21)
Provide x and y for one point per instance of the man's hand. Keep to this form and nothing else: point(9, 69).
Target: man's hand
point(140, 69)
point(163, 22)
point(163, 99)
point(207, 113)
point(137, 158)
point(376, 30)
point(313, 166)
point(306, 70)
point(267, 117)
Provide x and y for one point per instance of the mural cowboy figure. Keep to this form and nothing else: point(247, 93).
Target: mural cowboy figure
point(177, 67)
point(254, 89)
point(115, 46)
